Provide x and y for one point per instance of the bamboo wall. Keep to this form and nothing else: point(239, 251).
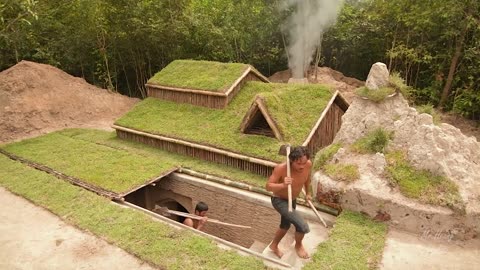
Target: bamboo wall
point(244, 165)
point(327, 129)
point(198, 99)
point(207, 99)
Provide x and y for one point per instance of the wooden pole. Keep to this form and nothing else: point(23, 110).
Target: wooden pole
point(192, 216)
point(314, 209)
point(290, 207)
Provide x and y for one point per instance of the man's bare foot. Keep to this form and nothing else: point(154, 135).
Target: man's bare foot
point(301, 252)
point(277, 251)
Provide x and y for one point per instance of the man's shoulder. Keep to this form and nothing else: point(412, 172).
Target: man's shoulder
point(280, 168)
point(188, 221)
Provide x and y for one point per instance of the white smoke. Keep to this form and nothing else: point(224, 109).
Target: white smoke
point(306, 25)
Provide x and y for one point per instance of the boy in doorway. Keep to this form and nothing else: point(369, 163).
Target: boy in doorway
point(200, 210)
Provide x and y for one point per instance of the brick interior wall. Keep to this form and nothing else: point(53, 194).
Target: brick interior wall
point(224, 206)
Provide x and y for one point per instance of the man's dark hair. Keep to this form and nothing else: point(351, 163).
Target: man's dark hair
point(298, 152)
point(201, 206)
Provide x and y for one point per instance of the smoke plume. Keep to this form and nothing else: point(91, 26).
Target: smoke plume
point(306, 25)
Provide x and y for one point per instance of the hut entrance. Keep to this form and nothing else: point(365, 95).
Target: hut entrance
point(173, 205)
point(258, 125)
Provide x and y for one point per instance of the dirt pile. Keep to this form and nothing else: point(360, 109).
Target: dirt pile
point(324, 75)
point(37, 98)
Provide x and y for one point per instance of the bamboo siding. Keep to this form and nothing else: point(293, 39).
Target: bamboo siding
point(205, 99)
point(253, 165)
point(327, 129)
point(215, 100)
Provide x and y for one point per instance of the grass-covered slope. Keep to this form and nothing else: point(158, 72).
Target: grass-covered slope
point(201, 75)
point(295, 108)
point(356, 242)
point(101, 159)
point(135, 232)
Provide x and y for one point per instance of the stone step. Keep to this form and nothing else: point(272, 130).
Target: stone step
point(318, 233)
point(258, 246)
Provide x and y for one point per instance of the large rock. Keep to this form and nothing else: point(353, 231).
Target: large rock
point(441, 149)
point(378, 76)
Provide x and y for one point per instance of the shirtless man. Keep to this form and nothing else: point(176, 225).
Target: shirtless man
point(200, 210)
point(300, 166)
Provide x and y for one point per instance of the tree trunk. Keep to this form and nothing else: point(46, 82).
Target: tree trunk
point(453, 66)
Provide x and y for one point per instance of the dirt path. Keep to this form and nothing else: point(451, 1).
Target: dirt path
point(33, 238)
point(407, 251)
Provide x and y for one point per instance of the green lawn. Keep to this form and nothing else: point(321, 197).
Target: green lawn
point(295, 108)
point(202, 75)
point(355, 242)
point(135, 232)
point(101, 159)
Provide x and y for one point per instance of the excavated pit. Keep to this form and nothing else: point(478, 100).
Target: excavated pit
point(181, 192)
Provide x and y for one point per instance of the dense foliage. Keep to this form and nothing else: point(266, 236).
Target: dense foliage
point(433, 44)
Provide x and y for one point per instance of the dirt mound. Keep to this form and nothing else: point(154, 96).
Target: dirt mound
point(38, 98)
point(324, 75)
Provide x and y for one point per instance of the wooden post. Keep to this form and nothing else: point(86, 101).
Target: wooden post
point(290, 207)
point(313, 208)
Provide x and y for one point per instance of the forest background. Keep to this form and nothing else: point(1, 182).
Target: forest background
point(120, 44)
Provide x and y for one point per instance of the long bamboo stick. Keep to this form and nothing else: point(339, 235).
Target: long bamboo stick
point(192, 216)
point(290, 207)
point(314, 209)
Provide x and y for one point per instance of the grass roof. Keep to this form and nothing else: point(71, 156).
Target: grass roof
point(295, 108)
point(101, 159)
point(202, 75)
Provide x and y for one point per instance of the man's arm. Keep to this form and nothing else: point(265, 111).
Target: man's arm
point(274, 184)
point(188, 222)
point(201, 222)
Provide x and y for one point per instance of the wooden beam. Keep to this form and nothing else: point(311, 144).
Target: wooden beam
point(186, 90)
point(165, 210)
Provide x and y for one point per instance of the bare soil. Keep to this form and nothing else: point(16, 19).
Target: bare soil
point(37, 99)
point(33, 238)
point(431, 250)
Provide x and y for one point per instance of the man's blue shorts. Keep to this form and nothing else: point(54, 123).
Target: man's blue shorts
point(288, 218)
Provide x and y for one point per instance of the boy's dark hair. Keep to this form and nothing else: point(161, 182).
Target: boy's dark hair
point(298, 152)
point(201, 206)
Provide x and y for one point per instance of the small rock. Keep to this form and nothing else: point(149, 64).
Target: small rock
point(378, 76)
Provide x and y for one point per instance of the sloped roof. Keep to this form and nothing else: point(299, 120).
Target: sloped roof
point(295, 109)
point(202, 75)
